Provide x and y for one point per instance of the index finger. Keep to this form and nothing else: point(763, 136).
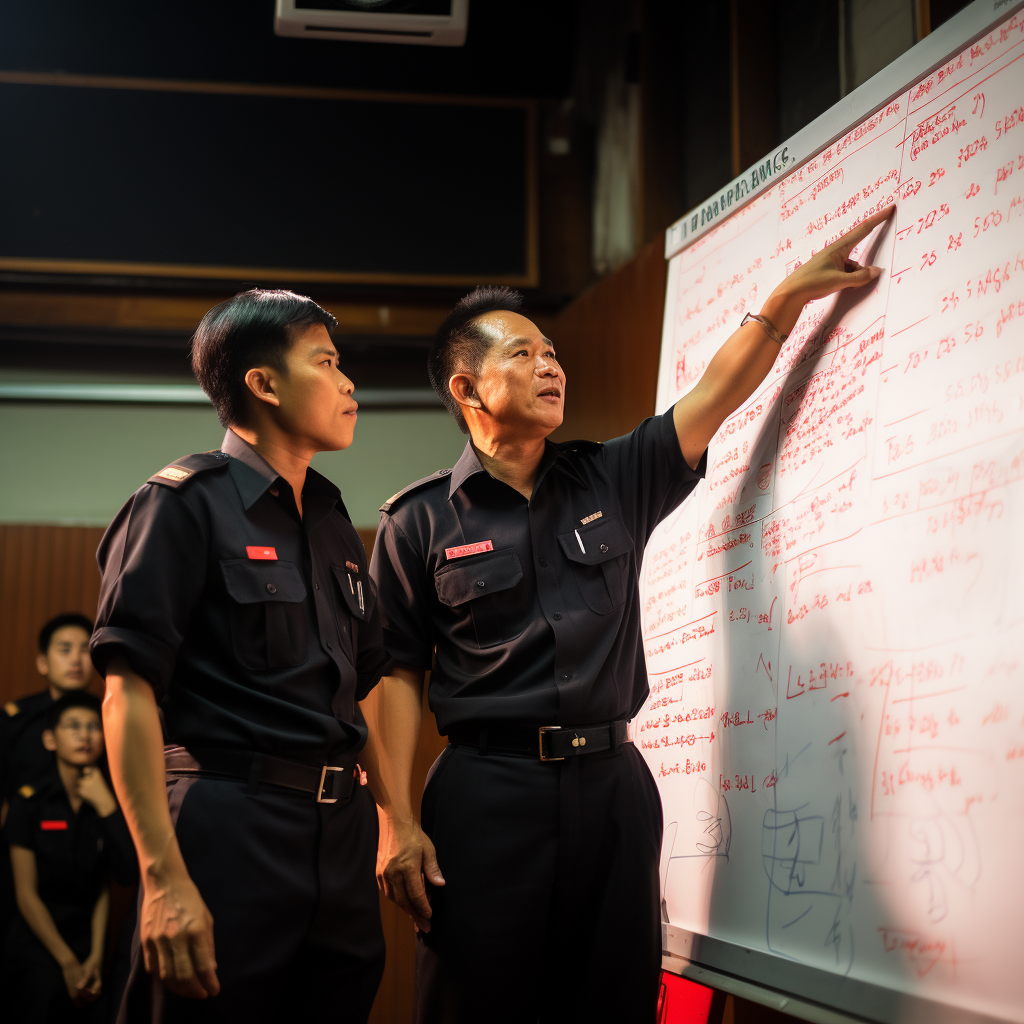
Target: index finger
point(864, 228)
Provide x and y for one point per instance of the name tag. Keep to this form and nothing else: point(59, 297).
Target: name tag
point(53, 826)
point(468, 549)
point(262, 554)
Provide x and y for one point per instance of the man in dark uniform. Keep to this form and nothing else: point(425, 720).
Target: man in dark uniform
point(514, 578)
point(236, 598)
point(64, 660)
point(68, 840)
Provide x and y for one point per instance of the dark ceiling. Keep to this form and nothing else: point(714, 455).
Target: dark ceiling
point(513, 47)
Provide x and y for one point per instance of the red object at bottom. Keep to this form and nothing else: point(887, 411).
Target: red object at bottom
point(683, 1002)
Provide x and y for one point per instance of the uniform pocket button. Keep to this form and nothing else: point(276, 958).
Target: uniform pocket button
point(604, 549)
point(271, 588)
point(480, 583)
point(557, 615)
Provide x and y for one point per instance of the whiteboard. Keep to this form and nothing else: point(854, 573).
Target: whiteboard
point(833, 620)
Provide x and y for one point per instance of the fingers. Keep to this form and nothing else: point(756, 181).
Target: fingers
point(399, 896)
point(864, 228)
point(861, 277)
point(185, 964)
point(417, 893)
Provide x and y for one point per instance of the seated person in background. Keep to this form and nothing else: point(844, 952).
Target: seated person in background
point(67, 839)
point(64, 659)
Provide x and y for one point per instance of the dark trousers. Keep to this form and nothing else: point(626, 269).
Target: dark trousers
point(550, 907)
point(291, 887)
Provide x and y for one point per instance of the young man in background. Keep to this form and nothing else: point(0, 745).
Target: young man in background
point(63, 659)
point(67, 840)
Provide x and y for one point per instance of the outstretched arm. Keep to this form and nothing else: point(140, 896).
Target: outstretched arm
point(176, 927)
point(405, 855)
point(740, 365)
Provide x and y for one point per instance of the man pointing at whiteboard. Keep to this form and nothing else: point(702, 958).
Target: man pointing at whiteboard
point(513, 577)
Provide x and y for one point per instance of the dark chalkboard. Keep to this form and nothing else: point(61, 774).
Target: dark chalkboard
point(177, 181)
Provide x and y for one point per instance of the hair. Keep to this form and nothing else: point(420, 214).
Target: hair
point(59, 622)
point(460, 346)
point(73, 699)
point(254, 328)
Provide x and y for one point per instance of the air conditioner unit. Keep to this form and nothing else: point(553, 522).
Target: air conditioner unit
point(426, 22)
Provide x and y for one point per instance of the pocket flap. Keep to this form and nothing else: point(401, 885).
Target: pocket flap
point(356, 590)
point(606, 538)
point(250, 582)
point(463, 581)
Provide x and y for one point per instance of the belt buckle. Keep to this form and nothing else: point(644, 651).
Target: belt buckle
point(540, 741)
point(320, 798)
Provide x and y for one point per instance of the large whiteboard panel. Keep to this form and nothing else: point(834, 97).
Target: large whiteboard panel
point(834, 620)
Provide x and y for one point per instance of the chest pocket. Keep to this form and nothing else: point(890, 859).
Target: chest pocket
point(268, 621)
point(602, 569)
point(480, 586)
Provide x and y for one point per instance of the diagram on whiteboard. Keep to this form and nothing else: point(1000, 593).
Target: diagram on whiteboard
point(834, 620)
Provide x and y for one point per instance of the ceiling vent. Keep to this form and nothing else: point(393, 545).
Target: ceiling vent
point(424, 22)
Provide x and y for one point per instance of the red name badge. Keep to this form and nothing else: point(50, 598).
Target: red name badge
point(53, 826)
point(468, 549)
point(262, 554)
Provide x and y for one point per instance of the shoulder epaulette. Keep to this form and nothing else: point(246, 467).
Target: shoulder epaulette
point(27, 791)
point(441, 474)
point(581, 445)
point(182, 470)
point(11, 708)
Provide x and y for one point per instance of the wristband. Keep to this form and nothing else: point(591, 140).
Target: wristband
point(769, 327)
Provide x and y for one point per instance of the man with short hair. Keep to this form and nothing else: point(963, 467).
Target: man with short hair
point(68, 840)
point(236, 599)
point(63, 659)
point(514, 577)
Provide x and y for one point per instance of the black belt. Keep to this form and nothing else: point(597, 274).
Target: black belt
point(328, 784)
point(547, 742)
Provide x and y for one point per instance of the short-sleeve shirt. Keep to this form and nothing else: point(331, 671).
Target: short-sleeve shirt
point(76, 854)
point(257, 628)
point(23, 758)
point(532, 606)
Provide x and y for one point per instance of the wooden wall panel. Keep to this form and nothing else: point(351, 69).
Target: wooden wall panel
point(608, 341)
point(44, 571)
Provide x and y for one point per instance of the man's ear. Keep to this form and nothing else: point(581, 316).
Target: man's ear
point(42, 665)
point(463, 389)
point(49, 740)
point(260, 382)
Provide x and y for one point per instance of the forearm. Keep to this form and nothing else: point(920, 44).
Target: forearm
point(41, 922)
point(134, 741)
point(732, 376)
point(100, 916)
point(393, 712)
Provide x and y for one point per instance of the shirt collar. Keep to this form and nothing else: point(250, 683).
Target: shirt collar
point(254, 476)
point(469, 465)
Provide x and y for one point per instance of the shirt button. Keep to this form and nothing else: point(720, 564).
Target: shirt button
point(271, 588)
point(604, 549)
point(557, 615)
point(544, 562)
point(565, 675)
point(316, 586)
point(480, 583)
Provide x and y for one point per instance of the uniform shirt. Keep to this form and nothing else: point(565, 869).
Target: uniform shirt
point(257, 629)
point(76, 854)
point(533, 605)
point(23, 758)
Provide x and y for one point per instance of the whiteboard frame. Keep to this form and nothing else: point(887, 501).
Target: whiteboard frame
point(920, 60)
point(766, 978)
